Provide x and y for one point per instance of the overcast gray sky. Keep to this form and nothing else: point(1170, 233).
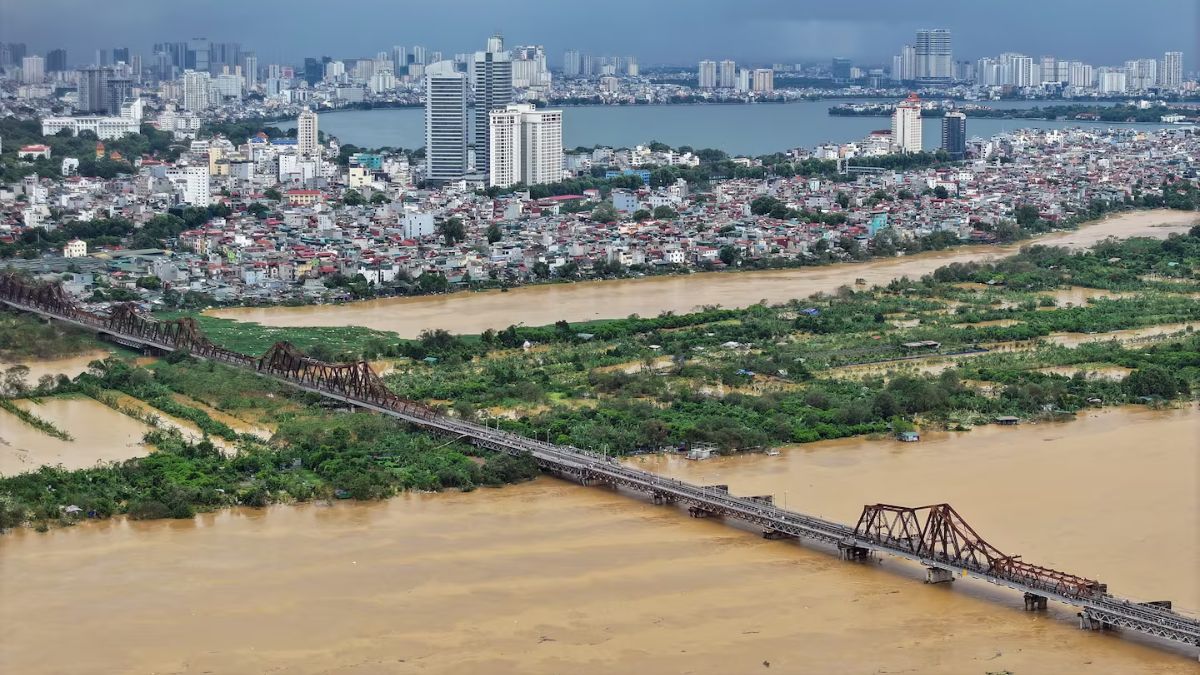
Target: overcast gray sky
point(656, 31)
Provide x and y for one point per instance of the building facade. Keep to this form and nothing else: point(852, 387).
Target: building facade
point(954, 135)
point(492, 75)
point(445, 122)
point(526, 146)
point(307, 142)
point(706, 77)
point(934, 57)
point(906, 125)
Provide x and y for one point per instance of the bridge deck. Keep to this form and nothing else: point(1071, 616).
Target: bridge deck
point(1097, 609)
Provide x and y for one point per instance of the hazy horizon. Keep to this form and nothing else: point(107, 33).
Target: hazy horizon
point(668, 32)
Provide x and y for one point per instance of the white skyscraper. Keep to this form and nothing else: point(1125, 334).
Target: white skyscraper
point(195, 90)
point(934, 57)
point(492, 77)
point(727, 79)
point(572, 64)
point(707, 77)
point(445, 122)
point(526, 145)
point(306, 133)
point(764, 81)
point(1171, 73)
point(504, 135)
point(541, 146)
point(906, 125)
point(1141, 74)
point(33, 69)
point(250, 70)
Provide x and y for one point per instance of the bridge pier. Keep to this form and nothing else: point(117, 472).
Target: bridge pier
point(1035, 602)
point(660, 498)
point(852, 552)
point(697, 512)
point(1089, 622)
point(776, 534)
point(937, 575)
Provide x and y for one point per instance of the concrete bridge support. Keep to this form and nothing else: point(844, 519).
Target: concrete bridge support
point(776, 534)
point(697, 512)
point(1089, 622)
point(937, 575)
point(1035, 602)
point(852, 552)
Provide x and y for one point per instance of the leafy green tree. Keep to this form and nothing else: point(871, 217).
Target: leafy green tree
point(452, 230)
point(940, 192)
point(1027, 215)
point(494, 234)
point(665, 213)
point(604, 212)
point(541, 270)
point(272, 193)
point(353, 198)
point(641, 215)
point(729, 255)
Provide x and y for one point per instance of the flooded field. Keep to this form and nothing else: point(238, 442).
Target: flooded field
point(542, 305)
point(550, 577)
point(69, 366)
point(101, 434)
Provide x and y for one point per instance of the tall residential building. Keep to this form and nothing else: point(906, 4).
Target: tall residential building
point(1112, 80)
point(707, 76)
point(906, 125)
point(541, 146)
point(33, 69)
point(56, 60)
point(306, 133)
point(399, 60)
point(1171, 74)
point(572, 64)
point(445, 122)
point(420, 55)
point(493, 79)
point(526, 145)
point(954, 135)
point(1082, 75)
point(93, 86)
point(199, 55)
point(764, 81)
point(1141, 74)
point(117, 89)
point(120, 55)
point(727, 76)
point(529, 67)
point(840, 69)
point(250, 70)
point(934, 57)
point(195, 90)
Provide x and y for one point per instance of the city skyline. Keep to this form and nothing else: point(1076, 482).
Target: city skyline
point(758, 31)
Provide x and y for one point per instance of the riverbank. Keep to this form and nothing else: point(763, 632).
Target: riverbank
point(389, 586)
point(475, 312)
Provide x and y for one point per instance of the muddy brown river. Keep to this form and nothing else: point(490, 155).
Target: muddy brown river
point(470, 313)
point(551, 577)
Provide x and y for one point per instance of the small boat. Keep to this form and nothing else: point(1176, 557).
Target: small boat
point(772, 453)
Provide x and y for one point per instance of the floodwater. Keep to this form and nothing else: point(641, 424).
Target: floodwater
point(470, 313)
point(69, 366)
point(550, 577)
point(100, 433)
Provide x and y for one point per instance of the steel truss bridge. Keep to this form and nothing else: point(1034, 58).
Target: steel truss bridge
point(934, 536)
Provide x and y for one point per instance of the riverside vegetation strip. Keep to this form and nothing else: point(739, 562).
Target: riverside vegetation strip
point(739, 379)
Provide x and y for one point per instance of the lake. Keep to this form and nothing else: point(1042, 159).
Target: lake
point(749, 129)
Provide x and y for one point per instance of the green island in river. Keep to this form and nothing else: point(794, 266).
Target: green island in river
point(1038, 335)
